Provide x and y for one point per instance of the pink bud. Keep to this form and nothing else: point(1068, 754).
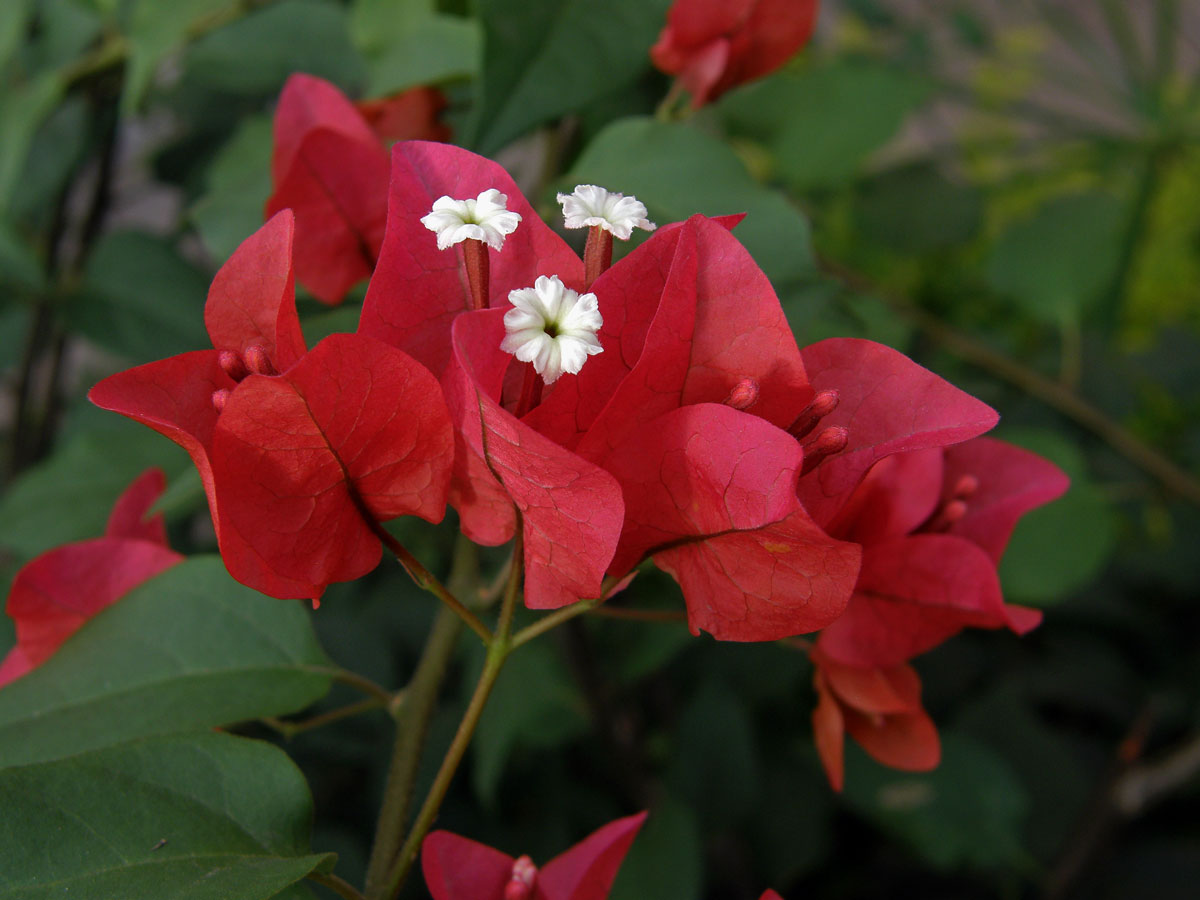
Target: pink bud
point(822, 405)
point(219, 399)
point(524, 874)
point(258, 362)
point(965, 487)
point(827, 442)
point(231, 362)
point(744, 394)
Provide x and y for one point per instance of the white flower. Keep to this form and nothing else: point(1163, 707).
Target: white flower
point(589, 205)
point(552, 327)
point(486, 218)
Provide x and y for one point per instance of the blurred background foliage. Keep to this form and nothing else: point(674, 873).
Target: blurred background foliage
point(1009, 192)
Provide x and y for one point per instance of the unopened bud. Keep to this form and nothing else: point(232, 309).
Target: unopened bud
point(520, 885)
point(258, 362)
point(744, 394)
point(219, 399)
point(965, 487)
point(946, 516)
point(822, 405)
point(827, 442)
point(231, 362)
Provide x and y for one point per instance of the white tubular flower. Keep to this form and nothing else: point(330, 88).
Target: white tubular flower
point(590, 205)
point(486, 218)
point(552, 327)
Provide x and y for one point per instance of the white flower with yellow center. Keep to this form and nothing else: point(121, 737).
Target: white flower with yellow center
point(552, 327)
point(486, 218)
point(589, 205)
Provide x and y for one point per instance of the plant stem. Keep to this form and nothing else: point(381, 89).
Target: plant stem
point(553, 620)
point(498, 651)
point(413, 721)
point(424, 579)
point(366, 685)
point(411, 728)
point(291, 729)
point(339, 886)
point(1172, 477)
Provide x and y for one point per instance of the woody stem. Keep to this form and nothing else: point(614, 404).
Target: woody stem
point(412, 725)
point(597, 254)
point(498, 651)
point(475, 254)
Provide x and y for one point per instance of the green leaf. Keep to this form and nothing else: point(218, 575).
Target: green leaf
point(967, 811)
point(256, 54)
point(239, 182)
point(198, 816)
point(13, 15)
point(916, 208)
point(140, 298)
point(821, 124)
point(715, 765)
point(190, 648)
point(666, 860)
point(438, 48)
point(69, 496)
point(1057, 263)
point(65, 29)
point(534, 705)
point(677, 171)
point(156, 29)
point(543, 58)
point(374, 24)
point(57, 148)
point(22, 109)
point(1058, 548)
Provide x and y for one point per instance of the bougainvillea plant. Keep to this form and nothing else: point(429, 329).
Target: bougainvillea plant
point(594, 413)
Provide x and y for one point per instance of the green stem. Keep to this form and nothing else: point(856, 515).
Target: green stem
point(553, 620)
point(411, 728)
point(291, 729)
point(339, 886)
point(413, 720)
point(498, 651)
point(364, 684)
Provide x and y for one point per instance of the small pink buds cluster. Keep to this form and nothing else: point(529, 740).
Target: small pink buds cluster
point(254, 361)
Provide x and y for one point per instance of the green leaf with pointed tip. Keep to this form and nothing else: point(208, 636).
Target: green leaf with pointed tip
point(198, 816)
point(188, 649)
point(677, 170)
point(543, 58)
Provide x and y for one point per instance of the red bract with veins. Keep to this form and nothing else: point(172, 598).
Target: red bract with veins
point(456, 868)
point(933, 525)
point(880, 708)
point(714, 45)
point(302, 454)
point(676, 334)
point(54, 594)
point(330, 168)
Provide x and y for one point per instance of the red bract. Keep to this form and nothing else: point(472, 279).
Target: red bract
point(460, 869)
point(714, 45)
point(417, 289)
point(297, 466)
point(411, 115)
point(880, 708)
point(56, 593)
point(331, 170)
point(933, 525)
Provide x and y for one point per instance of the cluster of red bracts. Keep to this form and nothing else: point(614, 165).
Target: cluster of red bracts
point(840, 488)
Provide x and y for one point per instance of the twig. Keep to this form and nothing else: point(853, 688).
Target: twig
point(339, 886)
point(1172, 477)
point(291, 729)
